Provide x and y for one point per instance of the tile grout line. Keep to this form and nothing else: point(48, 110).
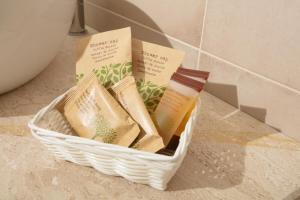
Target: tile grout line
point(202, 34)
point(196, 48)
point(142, 25)
point(250, 72)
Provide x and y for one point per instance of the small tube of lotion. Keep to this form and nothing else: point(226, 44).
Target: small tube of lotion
point(127, 94)
point(177, 100)
point(198, 75)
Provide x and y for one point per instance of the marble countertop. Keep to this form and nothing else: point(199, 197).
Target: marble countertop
point(232, 155)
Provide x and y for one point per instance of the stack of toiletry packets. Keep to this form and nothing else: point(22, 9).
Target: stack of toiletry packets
point(129, 93)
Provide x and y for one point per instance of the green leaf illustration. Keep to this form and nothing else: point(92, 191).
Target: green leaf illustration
point(112, 73)
point(103, 130)
point(128, 64)
point(150, 103)
point(116, 71)
point(156, 101)
point(124, 71)
point(109, 77)
point(115, 79)
point(144, 96)
point(156, 93)
point(107, 84)
point(151, 93)
point(101, 78)
point(116, 65)
point(78, 77)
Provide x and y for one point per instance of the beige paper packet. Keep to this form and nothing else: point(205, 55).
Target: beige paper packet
point(127, 94)
point(107, 54)
point(153, 66)
point(93, 113)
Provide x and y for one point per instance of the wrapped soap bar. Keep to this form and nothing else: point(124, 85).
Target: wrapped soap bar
point(93, 113)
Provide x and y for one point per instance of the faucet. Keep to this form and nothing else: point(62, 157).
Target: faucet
point(78, 24)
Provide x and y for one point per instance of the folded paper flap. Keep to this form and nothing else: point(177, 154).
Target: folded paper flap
point(196, 85)
point(122, 84)
point(152, 143)
point(138, 42)
point(194, 73)
point(73, 94)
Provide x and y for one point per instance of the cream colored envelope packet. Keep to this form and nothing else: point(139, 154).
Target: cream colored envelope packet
point(153, 66)
point(93, 113)
point(107, 54)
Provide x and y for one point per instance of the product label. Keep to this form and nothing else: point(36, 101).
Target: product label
point(174, 101)
point(108, 55)
point(93, 113)
point(153, 68)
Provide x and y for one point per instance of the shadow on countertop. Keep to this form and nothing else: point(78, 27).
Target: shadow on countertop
point(217, 161)
point(294, 195)
point(216, 158)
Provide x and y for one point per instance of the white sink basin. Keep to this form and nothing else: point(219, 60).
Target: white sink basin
point(31, 33)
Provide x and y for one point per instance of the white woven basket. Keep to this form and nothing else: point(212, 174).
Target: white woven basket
point(141, 167)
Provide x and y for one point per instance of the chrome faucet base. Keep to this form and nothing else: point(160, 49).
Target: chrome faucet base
point(78, 23)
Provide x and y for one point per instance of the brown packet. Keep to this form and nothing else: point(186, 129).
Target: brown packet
point(106, 54)
point(193, 73)
point(93, 113)
point(126, 93)
point(153, 66)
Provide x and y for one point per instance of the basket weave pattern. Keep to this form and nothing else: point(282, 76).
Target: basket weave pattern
point(141, 167)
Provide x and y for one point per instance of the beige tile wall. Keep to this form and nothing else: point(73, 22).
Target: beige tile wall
point(102, 20)
point(263, 99)
point(161, 15)
point(153, 21)
point(251, 48)
point(258, 35)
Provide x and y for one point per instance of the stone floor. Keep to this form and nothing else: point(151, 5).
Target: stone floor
point(232, 155)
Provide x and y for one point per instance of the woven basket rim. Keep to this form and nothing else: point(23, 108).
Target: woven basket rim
point(41, 132)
